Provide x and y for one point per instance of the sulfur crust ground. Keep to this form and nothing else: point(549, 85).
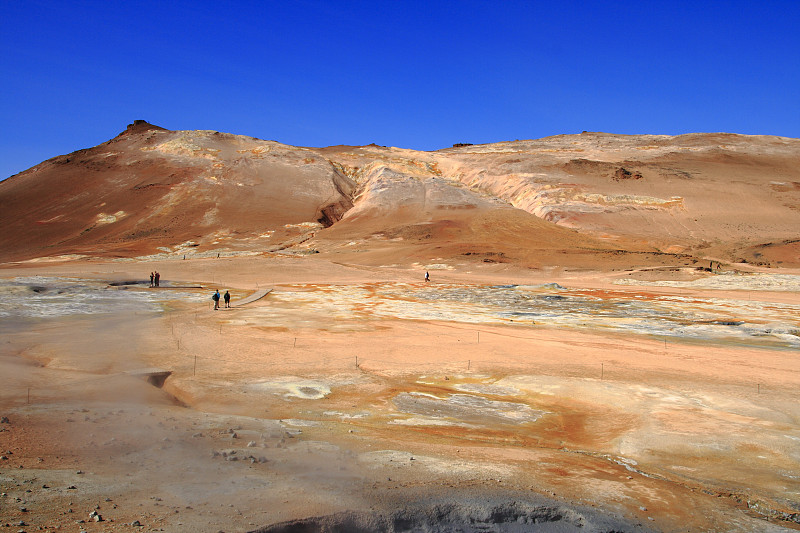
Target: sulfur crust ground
point(673, 436)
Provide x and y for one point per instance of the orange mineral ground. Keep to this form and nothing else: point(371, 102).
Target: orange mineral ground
point(609, 340)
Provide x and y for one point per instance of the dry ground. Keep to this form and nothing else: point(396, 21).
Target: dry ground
point(260, 423)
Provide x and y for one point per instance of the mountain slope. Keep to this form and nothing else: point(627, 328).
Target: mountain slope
point(149, 188)
point(570, 199)
point(712, 192)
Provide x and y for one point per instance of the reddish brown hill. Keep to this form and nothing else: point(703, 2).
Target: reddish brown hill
point(587, 200)
point(714, 195)
point(150, 188)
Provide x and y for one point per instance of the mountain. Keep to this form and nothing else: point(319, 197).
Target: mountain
point(575, 200)
point(149, 188)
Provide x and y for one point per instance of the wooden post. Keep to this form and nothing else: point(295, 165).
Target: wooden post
point(356, 361)
point(479, 337)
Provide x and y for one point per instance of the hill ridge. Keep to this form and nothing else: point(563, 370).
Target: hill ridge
point(153, 190)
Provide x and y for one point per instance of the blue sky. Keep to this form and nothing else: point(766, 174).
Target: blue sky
point(420, 75)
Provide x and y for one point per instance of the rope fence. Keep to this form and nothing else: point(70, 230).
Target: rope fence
point(357, 364)
point(193, 365)
point(466, 334)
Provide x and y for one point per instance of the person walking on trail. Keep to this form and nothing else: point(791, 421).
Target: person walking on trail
point(152, 279)
point(427, 276)
point(227, 299)
point(215, 297)
point(158, 278)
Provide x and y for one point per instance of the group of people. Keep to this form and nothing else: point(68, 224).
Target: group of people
point(226, 297)
point(155, 280)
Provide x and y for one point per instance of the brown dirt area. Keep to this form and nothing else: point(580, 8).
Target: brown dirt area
point(265, 420)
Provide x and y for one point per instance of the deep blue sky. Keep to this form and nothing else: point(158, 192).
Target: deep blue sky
point(412, 74)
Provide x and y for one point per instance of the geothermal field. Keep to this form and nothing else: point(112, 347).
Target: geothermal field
point(609, 339)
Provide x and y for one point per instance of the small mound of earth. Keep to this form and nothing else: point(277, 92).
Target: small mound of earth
point(471, 516)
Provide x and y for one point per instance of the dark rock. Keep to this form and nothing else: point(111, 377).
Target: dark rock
point(625, 174)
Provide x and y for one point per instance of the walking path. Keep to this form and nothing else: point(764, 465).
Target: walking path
point(252, 298)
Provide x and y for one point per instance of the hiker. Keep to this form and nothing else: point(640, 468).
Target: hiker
point(427, 276)
point(227, 299)
point(215, 297)
point(158, 278)
point(152, 279)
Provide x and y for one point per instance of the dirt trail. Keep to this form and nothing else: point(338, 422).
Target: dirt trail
point(252, 298)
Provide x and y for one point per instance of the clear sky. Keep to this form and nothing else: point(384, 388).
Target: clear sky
point(414, 74)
